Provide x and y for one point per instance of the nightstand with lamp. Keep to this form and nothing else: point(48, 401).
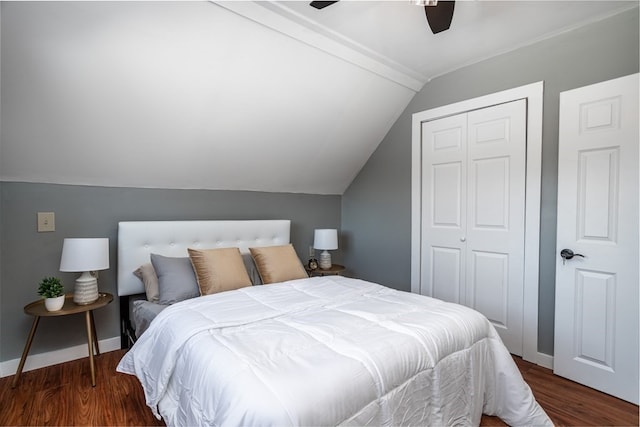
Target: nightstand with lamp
point(78, 255)
point(326, 240)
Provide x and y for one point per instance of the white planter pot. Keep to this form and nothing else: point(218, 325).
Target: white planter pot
point(54, 304)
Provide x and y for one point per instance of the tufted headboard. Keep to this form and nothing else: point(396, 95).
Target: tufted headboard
point(138, 239)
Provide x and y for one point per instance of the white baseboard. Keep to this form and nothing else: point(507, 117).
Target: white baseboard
point(545, 360)
point(41, 360)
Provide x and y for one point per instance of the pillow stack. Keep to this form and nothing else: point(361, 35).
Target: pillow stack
point(169, 280)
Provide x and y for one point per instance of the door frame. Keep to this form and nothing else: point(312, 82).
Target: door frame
point(533, 93)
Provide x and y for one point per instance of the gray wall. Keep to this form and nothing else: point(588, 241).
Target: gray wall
point(376, 208)
point(1, 269)
point(83, 211)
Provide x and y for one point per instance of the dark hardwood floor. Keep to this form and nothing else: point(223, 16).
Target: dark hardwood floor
point(571, 404)
point(62, 395)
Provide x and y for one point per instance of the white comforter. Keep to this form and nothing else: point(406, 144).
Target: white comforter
point(327, 351)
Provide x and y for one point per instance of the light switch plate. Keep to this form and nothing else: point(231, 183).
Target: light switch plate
point(46, 221)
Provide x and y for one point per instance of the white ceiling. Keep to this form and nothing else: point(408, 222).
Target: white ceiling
point(396, 32)
point(265, 96)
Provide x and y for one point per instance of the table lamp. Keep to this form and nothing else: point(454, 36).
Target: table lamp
point(85, 255)
point(325, 240)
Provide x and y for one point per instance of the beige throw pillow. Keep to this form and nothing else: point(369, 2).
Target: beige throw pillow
point(278, 263)
point(219, 270)
point(147, 274)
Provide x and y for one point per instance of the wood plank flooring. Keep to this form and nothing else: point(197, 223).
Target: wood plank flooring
point(62, 395)
point(571, 404)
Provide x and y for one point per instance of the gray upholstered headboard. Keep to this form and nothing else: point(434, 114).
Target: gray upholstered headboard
point(138, 239)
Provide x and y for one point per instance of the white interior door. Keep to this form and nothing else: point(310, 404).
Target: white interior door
point(596, 322)
point(473, 213)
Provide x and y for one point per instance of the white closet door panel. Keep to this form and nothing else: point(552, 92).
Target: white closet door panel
point(490, 188)
point(447, 190)
point(445, 139)
point(493, 130)
point(490, 285)
point(444, 208)
point(495, 216)
point(445, 273)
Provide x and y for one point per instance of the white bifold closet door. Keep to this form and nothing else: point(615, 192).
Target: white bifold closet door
point(473, 201)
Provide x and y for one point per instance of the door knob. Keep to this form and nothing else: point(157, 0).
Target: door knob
point(568, 254)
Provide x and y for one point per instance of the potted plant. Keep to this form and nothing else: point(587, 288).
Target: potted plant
point(52, 291)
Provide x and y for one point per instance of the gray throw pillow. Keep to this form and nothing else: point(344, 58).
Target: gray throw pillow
point(250, 265)
point(176, 279)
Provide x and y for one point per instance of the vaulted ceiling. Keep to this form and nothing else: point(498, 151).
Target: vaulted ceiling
point(266, 96)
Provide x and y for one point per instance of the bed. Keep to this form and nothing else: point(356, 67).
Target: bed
point(313, 351)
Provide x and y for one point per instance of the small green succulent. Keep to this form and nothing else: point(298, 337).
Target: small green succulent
point(50, 287)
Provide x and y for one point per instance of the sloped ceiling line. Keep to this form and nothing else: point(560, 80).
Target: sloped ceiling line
point(292, 24)
point(182, 95)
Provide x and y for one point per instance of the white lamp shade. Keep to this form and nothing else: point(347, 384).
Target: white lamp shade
point(325, 239)
point(85, 254)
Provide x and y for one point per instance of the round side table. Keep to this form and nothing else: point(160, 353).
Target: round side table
point(37, 310)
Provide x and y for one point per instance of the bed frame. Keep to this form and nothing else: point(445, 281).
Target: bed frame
point(137, 240)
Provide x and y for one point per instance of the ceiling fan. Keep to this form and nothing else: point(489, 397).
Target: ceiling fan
point(439, 13)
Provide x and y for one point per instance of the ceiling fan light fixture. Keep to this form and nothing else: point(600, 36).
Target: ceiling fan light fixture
point(424, 2)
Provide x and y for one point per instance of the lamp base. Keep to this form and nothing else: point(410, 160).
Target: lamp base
point(325, 260)
point(86, 289)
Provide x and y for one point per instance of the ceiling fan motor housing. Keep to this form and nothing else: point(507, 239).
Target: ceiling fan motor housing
point(440, 16)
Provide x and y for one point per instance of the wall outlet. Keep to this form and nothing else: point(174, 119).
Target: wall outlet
point(46, 222)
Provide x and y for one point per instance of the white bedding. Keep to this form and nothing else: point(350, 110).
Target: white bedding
point(327, 351)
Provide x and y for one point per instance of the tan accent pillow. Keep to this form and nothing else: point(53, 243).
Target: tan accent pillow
point(219, 270)
point(147, 274)
point(278, 263)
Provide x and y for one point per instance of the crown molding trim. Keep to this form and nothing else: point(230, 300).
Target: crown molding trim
point(285, 21)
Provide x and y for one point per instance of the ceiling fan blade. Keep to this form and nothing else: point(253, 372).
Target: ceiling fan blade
point(440, 16)
point(322, 4)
